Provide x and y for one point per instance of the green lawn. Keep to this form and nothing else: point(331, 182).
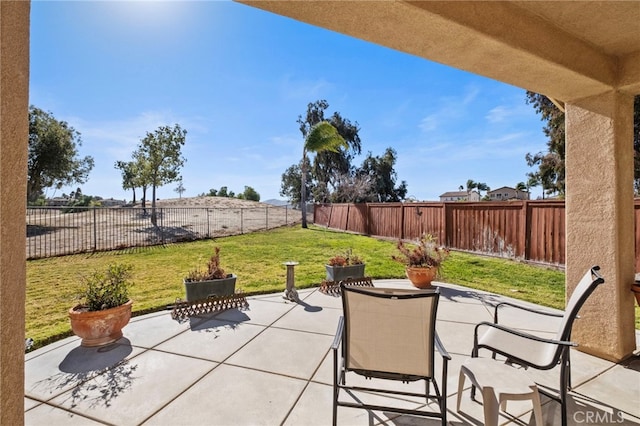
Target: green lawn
point(256, 259)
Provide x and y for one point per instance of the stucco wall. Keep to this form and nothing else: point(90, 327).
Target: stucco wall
point(600, 219)
point(14, 131)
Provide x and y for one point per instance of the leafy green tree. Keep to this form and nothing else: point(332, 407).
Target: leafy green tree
point(292, 182)
point(327, 165)
point(382, 176)
point(160, 159)
point(481, 186)
point(320, 137)
point(521, 186)
point(53, 159)
point(551, 170)
point(142, 178)
point(128, 171)
point(250, 194)
point(212, 193)
point(551, 164)
point(223, 192)
point(79, 201)
point(471, 185)
point(356, 188)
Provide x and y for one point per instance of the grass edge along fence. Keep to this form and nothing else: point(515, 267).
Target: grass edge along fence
point(527, 230)
point(57, 231)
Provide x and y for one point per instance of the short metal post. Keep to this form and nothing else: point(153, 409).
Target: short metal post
point(290, 292)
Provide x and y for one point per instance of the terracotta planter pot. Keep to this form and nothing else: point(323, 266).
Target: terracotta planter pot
point(635, 288)
point(97, 328)
point(421, 277)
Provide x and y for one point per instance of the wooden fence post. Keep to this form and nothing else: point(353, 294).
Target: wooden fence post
point(403, 211)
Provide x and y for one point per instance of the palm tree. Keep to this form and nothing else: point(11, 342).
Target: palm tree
point(321, 137)
point(481, 186)
point(471, 185)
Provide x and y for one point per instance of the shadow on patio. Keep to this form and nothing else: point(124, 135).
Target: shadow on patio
point(271, 364)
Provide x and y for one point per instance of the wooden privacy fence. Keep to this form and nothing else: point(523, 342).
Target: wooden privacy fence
point(530, 230)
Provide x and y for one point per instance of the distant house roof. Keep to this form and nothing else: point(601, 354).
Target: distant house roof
point(455, 194)
point(502, 188)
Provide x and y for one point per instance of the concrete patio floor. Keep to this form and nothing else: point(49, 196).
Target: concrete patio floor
point(271, 365)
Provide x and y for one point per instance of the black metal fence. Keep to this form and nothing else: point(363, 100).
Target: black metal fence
point(55, 231)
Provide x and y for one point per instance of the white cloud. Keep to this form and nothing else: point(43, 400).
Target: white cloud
point(429, 123)
point(498, 114)
point(506, 113)
point(292, 88)
point(449, 110)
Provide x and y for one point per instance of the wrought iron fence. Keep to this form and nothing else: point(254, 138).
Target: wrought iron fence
point(55, 231)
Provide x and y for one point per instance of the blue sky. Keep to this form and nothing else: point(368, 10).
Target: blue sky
point(237, 79)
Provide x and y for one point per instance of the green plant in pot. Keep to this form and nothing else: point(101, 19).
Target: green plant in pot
point(345, 265)
point(423, 261)
point(105, 307)
point(212, 281)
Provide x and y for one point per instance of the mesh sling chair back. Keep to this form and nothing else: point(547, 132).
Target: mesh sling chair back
point(536, 352)
point(389, 334)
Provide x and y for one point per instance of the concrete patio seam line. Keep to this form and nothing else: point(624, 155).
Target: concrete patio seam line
point(162, 407)
point(75, 413)
point(319, 333)
point(266, 372)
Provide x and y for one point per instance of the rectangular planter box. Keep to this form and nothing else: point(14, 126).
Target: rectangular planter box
point(339, 273)
point(197, 290)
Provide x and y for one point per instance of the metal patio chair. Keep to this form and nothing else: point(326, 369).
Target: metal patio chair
point(536, 352)
point(389, 334)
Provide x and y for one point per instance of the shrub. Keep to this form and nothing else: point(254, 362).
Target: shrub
point(107, 289)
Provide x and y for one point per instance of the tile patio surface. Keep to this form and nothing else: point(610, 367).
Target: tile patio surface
point(271, 365)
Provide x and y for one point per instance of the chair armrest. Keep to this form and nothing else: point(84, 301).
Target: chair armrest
point(518, 333)
point(524, 308)
point(514, 349)
point(338, 338)
point(440, 348)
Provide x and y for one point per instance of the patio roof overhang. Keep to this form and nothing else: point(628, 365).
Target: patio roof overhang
point(585, 56)
point(566, 50)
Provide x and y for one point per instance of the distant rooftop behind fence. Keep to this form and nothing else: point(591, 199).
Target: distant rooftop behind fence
point(56, 231)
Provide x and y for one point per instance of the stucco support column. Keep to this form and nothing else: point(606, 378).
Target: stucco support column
point(600, 219)
point(14, 133)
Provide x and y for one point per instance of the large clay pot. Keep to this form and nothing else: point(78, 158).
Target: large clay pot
point(97, 328)
point(421, 277)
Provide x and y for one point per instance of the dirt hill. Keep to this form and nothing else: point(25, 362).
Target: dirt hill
point(219, 202)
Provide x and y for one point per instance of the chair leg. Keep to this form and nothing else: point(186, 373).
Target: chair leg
point(336, 389)
point(537, 410)
point(564, 385)
point(569, 369)
point(335, 411)
point(490, 406)
point(461, 379)
point(443, 394)
point(563, 405)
